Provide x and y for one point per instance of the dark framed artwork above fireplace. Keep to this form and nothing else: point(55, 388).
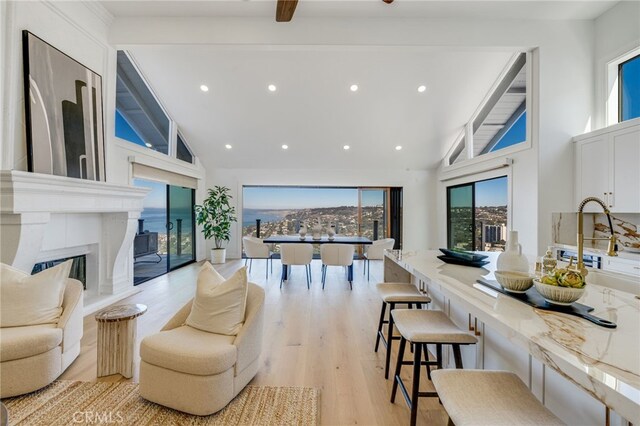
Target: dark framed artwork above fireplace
point(63, 111)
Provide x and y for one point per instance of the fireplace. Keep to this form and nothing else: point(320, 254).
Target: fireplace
point(78, 267)
point(46, 217)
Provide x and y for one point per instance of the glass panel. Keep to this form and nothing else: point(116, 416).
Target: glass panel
point(630, 89)
point(150, 242)
point(460, 217)
point(182, 151)
point(139, 117)
point(373, 221)
point(491, 214)
point(502, 122)
point(181, 237)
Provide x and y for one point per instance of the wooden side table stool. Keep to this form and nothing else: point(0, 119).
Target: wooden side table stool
point(116, 339)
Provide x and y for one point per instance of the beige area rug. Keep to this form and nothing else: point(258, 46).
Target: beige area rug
point(72, 402)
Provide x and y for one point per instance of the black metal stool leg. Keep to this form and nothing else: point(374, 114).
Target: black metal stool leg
point(426, 359)
point(457, 356)
point(389, 341)
point(439, 355)
point(380, 323)
point(396, 376)
point(415, 390)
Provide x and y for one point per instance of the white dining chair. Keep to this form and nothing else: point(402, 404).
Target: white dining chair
point(254, 248)
point(337, 255)
point(295, 254)
point(376, 252)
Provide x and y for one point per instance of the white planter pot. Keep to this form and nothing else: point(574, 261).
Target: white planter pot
point(218, 256)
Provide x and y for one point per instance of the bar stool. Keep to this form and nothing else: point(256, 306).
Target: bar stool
point(481, 397)
point(422, 327)
point(393, 294)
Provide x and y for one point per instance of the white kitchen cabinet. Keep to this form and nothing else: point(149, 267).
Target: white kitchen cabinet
point(608, 167)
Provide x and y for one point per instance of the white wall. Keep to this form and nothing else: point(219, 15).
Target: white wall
point(617, 31)
point(418, 212)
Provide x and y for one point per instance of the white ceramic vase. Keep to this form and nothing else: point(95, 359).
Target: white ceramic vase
point(317, 230)
point(218, 256)
point(512, 258)
point(303, 231)
point(331, 231)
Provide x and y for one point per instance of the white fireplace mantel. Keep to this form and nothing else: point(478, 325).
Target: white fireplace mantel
point(45, 215)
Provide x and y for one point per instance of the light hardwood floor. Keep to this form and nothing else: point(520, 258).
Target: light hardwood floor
point(314, 338)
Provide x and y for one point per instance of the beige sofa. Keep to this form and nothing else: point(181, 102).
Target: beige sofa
point(199, 372)
point(31, 357)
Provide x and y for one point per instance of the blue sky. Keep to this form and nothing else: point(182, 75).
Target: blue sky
point(157, 198)
point(278, 197)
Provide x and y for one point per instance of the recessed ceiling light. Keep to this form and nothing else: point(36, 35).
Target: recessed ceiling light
point(422, 88)
point(398, 147)
point(272, 87)
point(148, 145)
point(204, 88)
point(354, 88)
point(285, 146)
point(228, 146)
point(346, 147)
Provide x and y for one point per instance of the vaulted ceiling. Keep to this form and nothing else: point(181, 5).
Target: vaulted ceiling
point(313, 111)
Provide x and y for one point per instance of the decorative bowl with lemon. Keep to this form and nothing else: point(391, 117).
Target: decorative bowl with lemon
point(561, 287)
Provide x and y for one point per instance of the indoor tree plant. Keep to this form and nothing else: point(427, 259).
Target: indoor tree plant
point(216, 215)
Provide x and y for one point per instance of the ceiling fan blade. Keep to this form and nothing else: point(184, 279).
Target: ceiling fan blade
point(285, 9)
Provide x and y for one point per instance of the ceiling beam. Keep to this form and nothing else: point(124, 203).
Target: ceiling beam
point(285, 10)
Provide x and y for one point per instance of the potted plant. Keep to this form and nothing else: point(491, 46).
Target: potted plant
point(215, 215)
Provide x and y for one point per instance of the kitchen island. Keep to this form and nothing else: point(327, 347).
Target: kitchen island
point(584, 373)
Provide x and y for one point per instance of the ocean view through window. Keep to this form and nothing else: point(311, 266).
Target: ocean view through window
point(281, 209)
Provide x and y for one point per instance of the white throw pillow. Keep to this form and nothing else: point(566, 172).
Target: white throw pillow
point(32, 299)
point(219, 305)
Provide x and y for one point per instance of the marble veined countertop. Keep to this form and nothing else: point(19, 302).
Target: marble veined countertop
point(605, 362)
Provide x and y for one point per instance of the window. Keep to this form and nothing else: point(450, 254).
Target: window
point(629, 89)
point(139, 117)
point(477, 215)
point(501, 121)
point(182, 151)
point(370, 212)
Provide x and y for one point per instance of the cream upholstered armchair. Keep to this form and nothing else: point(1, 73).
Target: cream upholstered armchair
point(199, 372)
point(337, 255)
point(376, 252)
point(254, 248)
point(31, 357)
point(296, 254)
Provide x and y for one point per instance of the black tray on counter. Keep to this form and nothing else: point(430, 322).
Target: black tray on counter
point(458, 261)
point(535, 299)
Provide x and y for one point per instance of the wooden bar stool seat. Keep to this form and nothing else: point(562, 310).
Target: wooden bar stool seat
point(392, 294)
point(491, 398)
point(420, 328)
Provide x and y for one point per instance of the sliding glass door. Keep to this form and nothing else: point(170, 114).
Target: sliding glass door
point(373, 213)
point(165, 237)
point(180, 226)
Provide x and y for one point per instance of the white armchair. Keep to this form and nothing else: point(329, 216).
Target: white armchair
point(254, 248)
point(376, 252)
point(296, 254)
point(199, 372)
point(31, 357)
point(337, 255)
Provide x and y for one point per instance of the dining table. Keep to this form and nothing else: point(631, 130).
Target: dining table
point(324, 239)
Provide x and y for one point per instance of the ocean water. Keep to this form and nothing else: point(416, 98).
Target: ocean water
point(155, 220)
point(249, 216)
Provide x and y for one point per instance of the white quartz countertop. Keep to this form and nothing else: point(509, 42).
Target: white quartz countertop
point(605, 362)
